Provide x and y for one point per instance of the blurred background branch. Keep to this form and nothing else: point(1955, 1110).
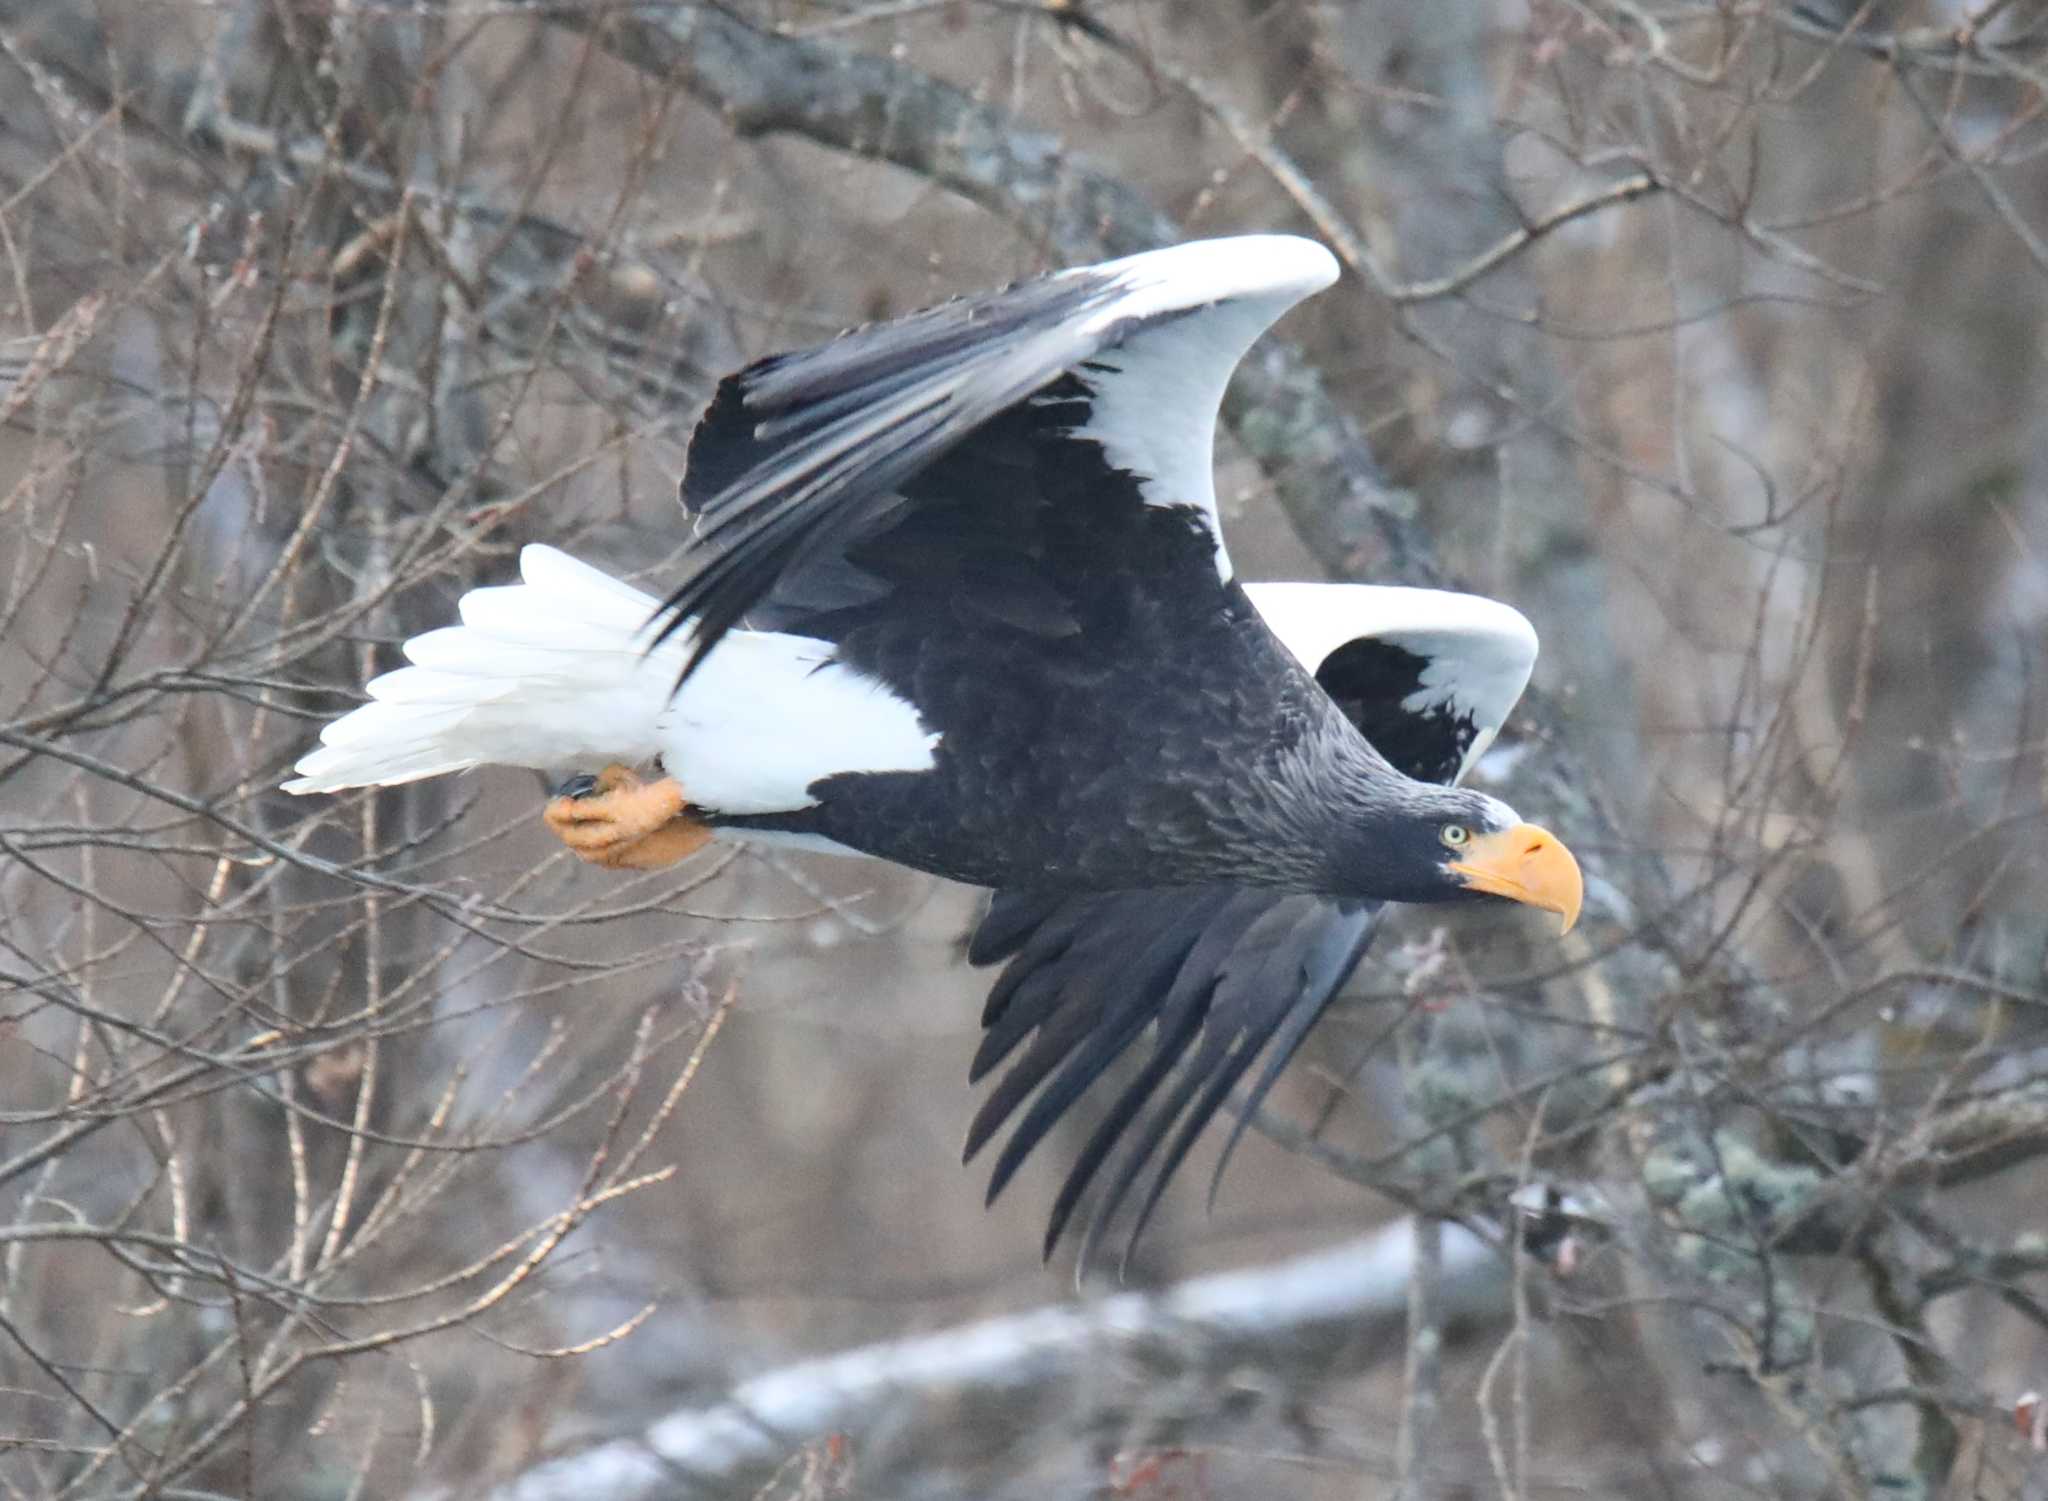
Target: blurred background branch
point(1160, 1370)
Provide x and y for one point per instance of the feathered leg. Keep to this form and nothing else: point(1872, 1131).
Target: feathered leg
point(619, 821)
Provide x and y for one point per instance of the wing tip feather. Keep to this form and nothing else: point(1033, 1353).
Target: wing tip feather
point(1197, 272)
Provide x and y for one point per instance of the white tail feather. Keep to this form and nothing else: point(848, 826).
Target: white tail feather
point(552, 673)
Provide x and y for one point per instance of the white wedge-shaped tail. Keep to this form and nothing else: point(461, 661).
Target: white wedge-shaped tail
point(551, 673)
point(555, 673)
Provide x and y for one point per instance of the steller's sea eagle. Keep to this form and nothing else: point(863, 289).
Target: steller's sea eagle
point(962, 602)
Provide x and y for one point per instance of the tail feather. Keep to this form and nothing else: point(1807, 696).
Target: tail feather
point(552, 673)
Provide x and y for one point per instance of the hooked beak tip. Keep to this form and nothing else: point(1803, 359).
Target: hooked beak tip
point(1526, 864)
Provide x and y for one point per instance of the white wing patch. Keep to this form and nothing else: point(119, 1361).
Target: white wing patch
point(1158, 392)
point(768, 714)
point(1477, 653)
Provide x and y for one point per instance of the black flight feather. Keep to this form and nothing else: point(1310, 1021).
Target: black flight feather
point(803, 454)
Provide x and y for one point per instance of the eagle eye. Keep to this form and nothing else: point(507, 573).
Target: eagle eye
point(1456, 835)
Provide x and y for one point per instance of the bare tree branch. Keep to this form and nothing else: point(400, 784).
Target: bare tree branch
point(1320, 1310)
point(1312, 452)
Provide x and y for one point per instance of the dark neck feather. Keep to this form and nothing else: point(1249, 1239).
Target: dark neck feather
point(1320, 796)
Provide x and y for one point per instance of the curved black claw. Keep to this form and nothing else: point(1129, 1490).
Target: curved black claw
point(582, 784)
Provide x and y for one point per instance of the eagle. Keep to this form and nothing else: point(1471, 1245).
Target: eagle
point(958, 598)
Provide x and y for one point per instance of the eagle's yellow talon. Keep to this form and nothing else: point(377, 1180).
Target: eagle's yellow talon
point(626, 823)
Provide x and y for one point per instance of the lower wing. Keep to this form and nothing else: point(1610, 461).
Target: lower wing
point(1228, 974)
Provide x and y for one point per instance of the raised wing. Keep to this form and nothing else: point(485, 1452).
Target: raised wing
point(1428, 676)
point(812, 473)
point(1227, 974)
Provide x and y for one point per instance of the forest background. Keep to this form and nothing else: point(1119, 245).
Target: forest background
point(371, 1146)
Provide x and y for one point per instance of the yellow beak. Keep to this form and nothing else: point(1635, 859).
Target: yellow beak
point(1525, 864)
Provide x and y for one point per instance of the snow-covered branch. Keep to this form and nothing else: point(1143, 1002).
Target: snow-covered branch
point(1316, 1313)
